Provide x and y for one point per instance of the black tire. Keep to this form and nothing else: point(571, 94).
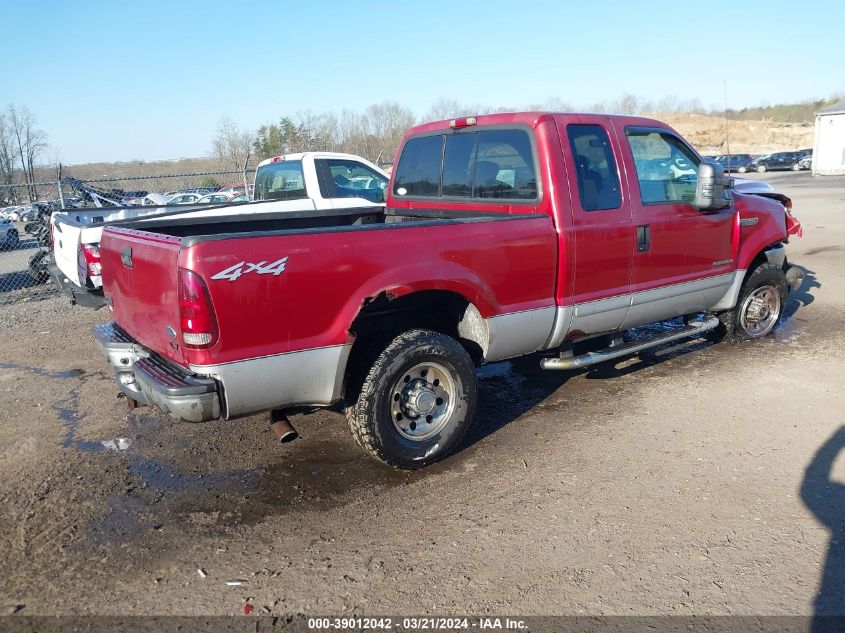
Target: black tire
point(742, 170)
point(37, 267)
point(395, 382)
point(734, 327)
point(760, 169)
point(12, 239)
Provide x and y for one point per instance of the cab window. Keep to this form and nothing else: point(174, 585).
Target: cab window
point(484, 164)
point(595, 167)
point(667, 169)
point(280, 181)
point(351, 179)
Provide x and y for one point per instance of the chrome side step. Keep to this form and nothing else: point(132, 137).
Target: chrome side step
point(609, 353)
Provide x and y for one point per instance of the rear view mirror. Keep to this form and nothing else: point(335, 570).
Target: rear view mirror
point(710, 187)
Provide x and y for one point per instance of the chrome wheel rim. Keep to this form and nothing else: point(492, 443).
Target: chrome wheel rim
point(422, 401)
point(760, 311)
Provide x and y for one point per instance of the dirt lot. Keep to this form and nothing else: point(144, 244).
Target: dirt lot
point(667, 485)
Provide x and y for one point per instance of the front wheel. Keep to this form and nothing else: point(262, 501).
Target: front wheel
point(796, 167)
point(761, 169)
point(758, 308)
point(742, 170)
point(416, 400)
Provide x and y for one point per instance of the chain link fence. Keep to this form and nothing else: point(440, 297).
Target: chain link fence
point(25, 211)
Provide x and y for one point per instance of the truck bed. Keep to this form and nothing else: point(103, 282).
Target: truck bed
point(196, 230)
point(295, 281)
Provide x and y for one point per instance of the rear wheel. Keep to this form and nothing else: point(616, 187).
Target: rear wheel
point(761, 169)
point(742, 170)
point(416, 400)
point(758, 308)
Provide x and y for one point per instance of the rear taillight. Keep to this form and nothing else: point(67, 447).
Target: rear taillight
point(196, 315)
point(91, 252)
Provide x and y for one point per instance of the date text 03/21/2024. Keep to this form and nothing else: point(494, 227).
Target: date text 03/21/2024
point(418, 624)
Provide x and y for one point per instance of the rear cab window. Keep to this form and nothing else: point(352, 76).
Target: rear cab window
point(283, 180)
point(481, 164)
point(595, 167)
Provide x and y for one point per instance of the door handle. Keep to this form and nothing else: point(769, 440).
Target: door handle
point(643, 238)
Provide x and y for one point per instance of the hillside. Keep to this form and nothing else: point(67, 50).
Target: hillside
point(706, 133)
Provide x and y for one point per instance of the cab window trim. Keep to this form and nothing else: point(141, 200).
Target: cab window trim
point(645, 129)
point(489, 201)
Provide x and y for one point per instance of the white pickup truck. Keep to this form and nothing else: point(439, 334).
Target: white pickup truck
point(309, 181)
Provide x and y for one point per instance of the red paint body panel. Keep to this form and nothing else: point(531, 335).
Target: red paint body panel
point(770, 227)
point(562, 255)
point(601, 241)
point(501, 266)
point(146, 296)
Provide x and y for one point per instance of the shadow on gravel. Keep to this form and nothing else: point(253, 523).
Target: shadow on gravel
point(825, 498)
point(16, 281)
point(801, 297)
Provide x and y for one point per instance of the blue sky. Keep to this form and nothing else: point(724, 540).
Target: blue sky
point(147, 80)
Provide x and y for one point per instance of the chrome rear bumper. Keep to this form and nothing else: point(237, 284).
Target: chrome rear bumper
point(149, 379)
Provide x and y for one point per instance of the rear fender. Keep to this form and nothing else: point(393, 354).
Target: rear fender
point(418, 278)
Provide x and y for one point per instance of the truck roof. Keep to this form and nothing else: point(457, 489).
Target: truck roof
point(301, 155)
point(531, 119)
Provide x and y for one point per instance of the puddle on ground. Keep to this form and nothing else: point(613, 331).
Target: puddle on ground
point(38, 371)
point(68, 412)
point(118, 444)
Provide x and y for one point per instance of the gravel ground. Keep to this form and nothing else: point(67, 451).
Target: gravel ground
point(700, 479)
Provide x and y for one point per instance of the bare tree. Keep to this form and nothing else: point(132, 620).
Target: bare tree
point(8, 158)
point(231, 146)
point(29, 143)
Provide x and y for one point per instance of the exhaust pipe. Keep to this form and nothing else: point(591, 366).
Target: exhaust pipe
point(282, 427)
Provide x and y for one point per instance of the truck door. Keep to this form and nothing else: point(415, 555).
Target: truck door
point(603, 227)
point(683, 258)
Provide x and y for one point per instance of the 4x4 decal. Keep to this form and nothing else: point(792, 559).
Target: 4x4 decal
point(262, 268)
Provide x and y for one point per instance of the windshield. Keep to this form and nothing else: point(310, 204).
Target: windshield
point(280, 181)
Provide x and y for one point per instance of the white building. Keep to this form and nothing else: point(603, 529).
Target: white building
point(829, 144)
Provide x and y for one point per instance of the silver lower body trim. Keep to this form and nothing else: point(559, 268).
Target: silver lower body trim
point(623, 312)
point(518, 333)
point(729, 299)
point(776, 254)
point(309, 377)
point(676, 300)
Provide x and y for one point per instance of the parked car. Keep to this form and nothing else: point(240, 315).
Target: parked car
point(772, 162)
point(294, 182)
point(8, 235)
point(215, 198)
point(806, 162)
point(185, 198)
point(503, 235)
point(10, 213)
point(735, 162)
point(236, 188)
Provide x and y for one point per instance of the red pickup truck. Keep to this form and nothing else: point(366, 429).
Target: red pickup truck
point(502, 235)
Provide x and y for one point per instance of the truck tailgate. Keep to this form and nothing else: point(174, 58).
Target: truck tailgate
point(140, 275)
point(66, 240)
